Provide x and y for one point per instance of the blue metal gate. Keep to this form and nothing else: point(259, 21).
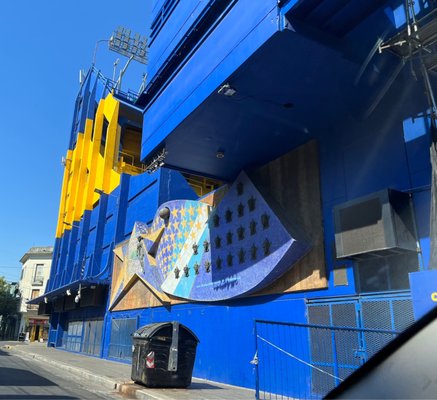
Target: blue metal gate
point(83, 336)
point(306, 361)
point(120, 346)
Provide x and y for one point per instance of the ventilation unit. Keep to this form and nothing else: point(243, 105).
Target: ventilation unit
point(377, 225)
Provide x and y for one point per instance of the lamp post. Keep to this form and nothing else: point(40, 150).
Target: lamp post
point(95, 48)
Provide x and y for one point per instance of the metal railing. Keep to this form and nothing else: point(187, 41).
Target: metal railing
point(303, 361)
point(129, 96)
point(131, 166)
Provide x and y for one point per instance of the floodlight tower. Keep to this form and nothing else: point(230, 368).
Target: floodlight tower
point(133, 47)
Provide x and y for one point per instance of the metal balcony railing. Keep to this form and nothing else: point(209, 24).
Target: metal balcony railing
point(129, 96)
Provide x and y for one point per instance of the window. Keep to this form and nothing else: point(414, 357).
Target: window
point(38, 277)
point(35, 294)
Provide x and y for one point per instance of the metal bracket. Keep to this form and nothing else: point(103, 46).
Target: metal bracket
point(255, 360)
point(173, 354)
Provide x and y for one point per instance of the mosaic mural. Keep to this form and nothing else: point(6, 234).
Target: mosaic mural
point(198, 252)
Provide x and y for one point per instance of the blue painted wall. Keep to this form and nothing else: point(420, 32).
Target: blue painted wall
point(225, 331)
point(358, 156)
point(178, 17)
point(110, 222)
point(243, 30)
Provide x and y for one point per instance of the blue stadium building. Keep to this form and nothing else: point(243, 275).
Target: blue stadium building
point(271, 188)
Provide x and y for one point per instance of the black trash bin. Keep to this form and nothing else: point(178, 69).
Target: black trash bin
point(163, 355)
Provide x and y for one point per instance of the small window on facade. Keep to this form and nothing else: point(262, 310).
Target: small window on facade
point(38, 277)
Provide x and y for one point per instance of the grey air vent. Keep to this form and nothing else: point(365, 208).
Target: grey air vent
point(377, 225)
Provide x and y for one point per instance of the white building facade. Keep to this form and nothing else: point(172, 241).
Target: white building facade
point(35, 272)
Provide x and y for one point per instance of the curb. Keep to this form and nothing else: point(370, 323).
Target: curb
point(101, 380)
point(128, 389)
point(125, 388)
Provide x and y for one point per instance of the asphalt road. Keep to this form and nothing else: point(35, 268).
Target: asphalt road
point(31, 380)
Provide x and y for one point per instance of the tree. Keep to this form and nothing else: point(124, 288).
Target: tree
point(8, 309)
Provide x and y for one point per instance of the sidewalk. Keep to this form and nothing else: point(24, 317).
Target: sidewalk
point(116, 376)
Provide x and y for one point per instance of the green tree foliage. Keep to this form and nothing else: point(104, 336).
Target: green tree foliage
point(8, 306)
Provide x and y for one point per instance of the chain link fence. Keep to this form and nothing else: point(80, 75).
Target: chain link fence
point(303, 361)
point(306, 361)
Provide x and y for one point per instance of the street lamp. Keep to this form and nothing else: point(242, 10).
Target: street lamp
point(95, 48)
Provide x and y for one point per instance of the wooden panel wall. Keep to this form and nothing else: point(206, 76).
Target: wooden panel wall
point(293, 181)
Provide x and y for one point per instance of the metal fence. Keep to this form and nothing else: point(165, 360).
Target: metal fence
point(92, 337)
point(304, 361)
point(83, 336)
point(72, 338)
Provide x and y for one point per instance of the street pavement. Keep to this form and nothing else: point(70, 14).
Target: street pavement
point(31, 380)
point(110, 375)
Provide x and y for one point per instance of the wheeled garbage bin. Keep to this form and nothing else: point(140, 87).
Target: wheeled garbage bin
point(163, 355)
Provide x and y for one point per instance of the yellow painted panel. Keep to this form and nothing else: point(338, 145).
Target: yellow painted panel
point(91, 167)
point(71, 203)
point(82, 173)
point(94, 156)
point(111, 107)
point(112, 144)
point(60, 225)
point(87, 153)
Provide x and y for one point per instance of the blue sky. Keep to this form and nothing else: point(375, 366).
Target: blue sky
point(43, 45)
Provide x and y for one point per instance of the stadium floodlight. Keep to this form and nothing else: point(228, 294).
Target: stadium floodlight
point(134, 47)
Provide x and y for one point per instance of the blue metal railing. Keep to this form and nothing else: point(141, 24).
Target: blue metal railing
point(130, 96)
point(305, 361)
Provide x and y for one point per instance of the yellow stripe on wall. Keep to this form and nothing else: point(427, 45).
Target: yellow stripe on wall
point(86, 169)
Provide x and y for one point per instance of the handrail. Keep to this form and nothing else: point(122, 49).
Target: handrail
point(129, 96)
point(123, 154)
